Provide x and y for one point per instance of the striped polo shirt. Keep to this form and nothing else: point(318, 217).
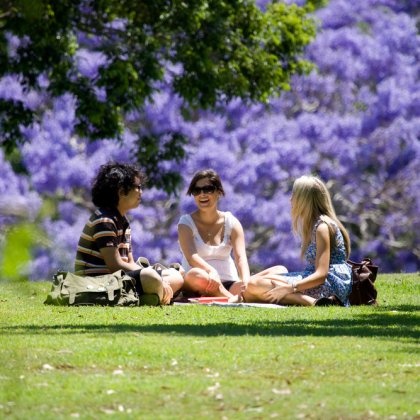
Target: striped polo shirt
point(106, 228)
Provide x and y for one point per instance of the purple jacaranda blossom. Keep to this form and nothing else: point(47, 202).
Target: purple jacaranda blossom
point(89, 62)
point(17, 201)
point(13, 43)
point(11, 88)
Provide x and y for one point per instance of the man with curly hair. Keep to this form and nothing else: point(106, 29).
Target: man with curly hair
point(105, 243)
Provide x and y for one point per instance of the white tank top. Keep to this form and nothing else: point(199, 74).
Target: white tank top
point(218, 256)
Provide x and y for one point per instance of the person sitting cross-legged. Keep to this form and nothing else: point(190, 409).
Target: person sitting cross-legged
point(207, 238)
point(326, 279)
point(105, 243)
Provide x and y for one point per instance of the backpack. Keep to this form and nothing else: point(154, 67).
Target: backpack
point(116, 289)
point(363, 291)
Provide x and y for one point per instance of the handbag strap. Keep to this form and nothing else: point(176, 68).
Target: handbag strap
point(365, 261)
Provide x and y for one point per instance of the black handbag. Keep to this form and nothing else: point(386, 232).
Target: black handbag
point(363, 290)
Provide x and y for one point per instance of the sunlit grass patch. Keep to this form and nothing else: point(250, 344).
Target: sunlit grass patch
point(208, 362)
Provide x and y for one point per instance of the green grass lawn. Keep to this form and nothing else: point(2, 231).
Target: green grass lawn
point(207, 362)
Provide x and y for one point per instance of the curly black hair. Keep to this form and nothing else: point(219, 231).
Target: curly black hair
point(112, 178)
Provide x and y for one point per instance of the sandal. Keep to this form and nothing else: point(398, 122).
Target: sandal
point(328, 301)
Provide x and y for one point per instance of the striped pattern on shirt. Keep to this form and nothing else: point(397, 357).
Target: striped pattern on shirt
point(105, 228)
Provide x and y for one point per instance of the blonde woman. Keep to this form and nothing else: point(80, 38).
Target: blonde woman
point(326, 279)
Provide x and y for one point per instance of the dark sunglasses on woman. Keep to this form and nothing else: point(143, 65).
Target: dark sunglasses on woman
point(207, 189)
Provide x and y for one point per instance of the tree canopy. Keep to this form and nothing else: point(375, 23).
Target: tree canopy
point(218, 50)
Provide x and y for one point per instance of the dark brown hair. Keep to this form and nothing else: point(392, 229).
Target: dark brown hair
point(213, 177)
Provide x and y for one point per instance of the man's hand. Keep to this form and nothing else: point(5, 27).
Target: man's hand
point(167, 293)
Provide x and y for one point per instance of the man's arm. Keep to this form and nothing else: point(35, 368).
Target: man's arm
point(114, 262)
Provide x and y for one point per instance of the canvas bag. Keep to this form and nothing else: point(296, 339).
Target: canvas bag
point(363, 290)
point(116, 289)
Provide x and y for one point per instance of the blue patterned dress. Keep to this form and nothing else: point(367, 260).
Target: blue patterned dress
point(338, 281)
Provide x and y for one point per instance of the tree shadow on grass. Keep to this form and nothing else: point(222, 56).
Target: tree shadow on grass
point(393, 325)
point(399, 307)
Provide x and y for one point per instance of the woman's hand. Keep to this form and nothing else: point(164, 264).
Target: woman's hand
point(214, 282)
point(278, 292)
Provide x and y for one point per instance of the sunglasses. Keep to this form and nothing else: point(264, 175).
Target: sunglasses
point(138, 187)
point(207, 189)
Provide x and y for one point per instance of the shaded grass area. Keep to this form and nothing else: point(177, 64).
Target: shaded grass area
point(209, 362)
point(383, 324)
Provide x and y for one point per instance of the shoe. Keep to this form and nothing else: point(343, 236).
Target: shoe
point(180, 297)
point(149, 299)
point(328, 301)
point(143, 262)
point(176, 266)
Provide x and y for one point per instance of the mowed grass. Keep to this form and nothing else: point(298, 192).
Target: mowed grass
point(185, 362)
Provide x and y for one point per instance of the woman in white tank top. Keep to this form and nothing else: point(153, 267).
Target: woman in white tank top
point(207, 238)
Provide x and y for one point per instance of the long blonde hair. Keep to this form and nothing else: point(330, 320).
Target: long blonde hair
point(311, 201)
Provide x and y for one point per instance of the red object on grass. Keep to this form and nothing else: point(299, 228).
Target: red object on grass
point(209, 299)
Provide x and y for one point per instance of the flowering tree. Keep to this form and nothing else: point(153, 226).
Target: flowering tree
point(111, 57)
point(354, 121)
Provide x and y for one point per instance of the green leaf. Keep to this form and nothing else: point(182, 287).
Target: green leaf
point(18, 243)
